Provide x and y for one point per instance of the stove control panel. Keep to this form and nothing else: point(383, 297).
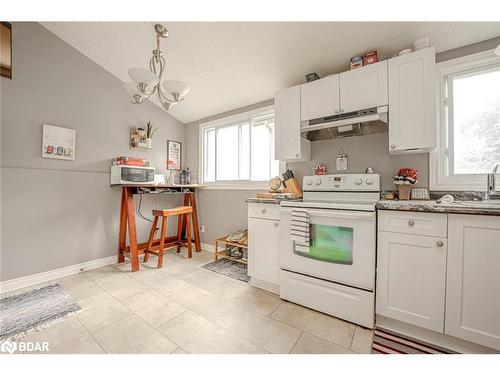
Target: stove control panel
point(342, 182)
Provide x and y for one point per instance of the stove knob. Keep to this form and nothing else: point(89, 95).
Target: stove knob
point(309, 182)
point(369, 181)
point(318, 182)
point(359, 181)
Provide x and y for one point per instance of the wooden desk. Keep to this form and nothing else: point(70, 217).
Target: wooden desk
point(127, 221)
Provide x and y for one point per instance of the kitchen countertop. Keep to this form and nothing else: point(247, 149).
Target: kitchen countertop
point(460, 207)
point(266, 200)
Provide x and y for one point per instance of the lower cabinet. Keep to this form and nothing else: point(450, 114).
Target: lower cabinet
point(263, 261)
point(411, 277)
point(473, 279)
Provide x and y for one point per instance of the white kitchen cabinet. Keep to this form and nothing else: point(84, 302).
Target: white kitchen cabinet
point(412, 102)
point(263, 246)
point(364, 88)
point(473, 279)
point(411, 276)
point(319, 98)
point(289, 144)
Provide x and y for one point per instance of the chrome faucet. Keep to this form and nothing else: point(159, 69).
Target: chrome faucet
point(490, 188)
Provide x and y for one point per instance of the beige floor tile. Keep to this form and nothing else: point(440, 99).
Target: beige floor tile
point(176, 269)
point(204, 303)
point(309, 344)
point(252, 298)
point(197, 335)
point(101, 272)
point(362, 340)
point(321, 325)
point(133, 335)
point(208, 280)
point(144, 268)
point(164, 284)
point(198, 259)
point(153, 307)
point(179, 351)
point(66, 337)
point(260, 330)
point(120, 285)
point(249, 348)
point(101, 310)
point(79, 286)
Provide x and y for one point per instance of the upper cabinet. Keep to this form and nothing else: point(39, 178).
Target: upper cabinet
point(289, 144)
point(363, 88)
point(412, 102)
point(320, 98)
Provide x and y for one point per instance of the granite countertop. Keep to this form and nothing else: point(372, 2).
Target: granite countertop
point(459, 207)
point(266, 200)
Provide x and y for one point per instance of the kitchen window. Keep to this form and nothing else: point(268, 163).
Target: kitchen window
point(238, 151)
point(468, 124)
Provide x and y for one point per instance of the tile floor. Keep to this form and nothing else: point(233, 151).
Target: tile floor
point(183, 308)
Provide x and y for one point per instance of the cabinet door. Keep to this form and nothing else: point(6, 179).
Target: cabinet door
point(473, 279)
point(411, 275)
point(289, 145)
point(320, 98)
point(412, 101)
point(363, 88)
point(263, 242)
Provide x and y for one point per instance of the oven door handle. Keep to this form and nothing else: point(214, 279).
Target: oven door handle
point(342, 215)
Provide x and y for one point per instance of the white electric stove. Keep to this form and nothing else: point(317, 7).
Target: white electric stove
point(335, 272)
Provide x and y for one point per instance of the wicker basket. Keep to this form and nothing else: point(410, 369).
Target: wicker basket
point(404, 192)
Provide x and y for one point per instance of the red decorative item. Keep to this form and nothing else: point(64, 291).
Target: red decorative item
point(370, 58)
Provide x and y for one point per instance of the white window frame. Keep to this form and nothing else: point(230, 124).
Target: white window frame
point(239, 184)
point(440, 179)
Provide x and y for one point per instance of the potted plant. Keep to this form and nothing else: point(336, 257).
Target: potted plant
point(150, 131)
point(404, 180)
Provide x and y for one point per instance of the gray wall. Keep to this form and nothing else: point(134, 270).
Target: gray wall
point(57, 213)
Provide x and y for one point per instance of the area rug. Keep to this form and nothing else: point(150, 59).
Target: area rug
point(34, 310)
point(229, 268)
point(387, 342)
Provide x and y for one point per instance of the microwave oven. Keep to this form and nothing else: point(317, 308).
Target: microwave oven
point(131, 174)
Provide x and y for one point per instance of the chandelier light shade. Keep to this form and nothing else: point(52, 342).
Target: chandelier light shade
point(146, 83)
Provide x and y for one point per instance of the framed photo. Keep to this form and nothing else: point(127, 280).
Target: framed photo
point(6, 50)
point(174, 155)
point(58, 142)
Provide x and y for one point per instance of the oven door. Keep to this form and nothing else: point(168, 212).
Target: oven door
point(341, 247)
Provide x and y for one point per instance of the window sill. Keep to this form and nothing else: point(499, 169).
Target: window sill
point(240, 186)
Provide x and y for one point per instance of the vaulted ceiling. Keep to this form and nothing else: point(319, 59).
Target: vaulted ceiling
point(231, 65)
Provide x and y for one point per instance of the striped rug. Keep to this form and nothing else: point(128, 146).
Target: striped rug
point(387, 342)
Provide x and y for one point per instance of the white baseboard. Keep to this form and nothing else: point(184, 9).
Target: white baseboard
point(208, 247)
point(26, 281)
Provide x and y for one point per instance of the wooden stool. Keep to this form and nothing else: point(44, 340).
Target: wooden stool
point(183, 213)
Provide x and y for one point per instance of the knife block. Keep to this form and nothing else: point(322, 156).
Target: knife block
point(292, 186)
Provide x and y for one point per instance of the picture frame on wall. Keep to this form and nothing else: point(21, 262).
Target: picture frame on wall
point(174, 155)
point(58, 142)
point(6, 50)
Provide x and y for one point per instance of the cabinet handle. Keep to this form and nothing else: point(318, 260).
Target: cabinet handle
point(263, 210)
point(440, 243)
point(276, 225)
point(296, 155)
point(411, 223)
point(336, 111)
point(393, 147)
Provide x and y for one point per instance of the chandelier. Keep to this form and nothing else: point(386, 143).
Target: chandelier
point(146, 83)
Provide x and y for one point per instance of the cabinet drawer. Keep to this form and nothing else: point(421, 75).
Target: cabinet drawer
point(264, 211)
point(422, 223)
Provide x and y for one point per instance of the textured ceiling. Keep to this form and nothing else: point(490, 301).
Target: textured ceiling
point(231, 65)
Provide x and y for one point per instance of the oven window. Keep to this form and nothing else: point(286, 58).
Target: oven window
point(135, 174)
point(328, 243)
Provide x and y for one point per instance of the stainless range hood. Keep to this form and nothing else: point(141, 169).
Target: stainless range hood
point(373, 120)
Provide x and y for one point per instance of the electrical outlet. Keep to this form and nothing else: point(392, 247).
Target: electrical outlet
point(202, 228)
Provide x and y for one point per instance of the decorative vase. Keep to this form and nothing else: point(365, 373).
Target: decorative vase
point(149, 142)
point(404, 192)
